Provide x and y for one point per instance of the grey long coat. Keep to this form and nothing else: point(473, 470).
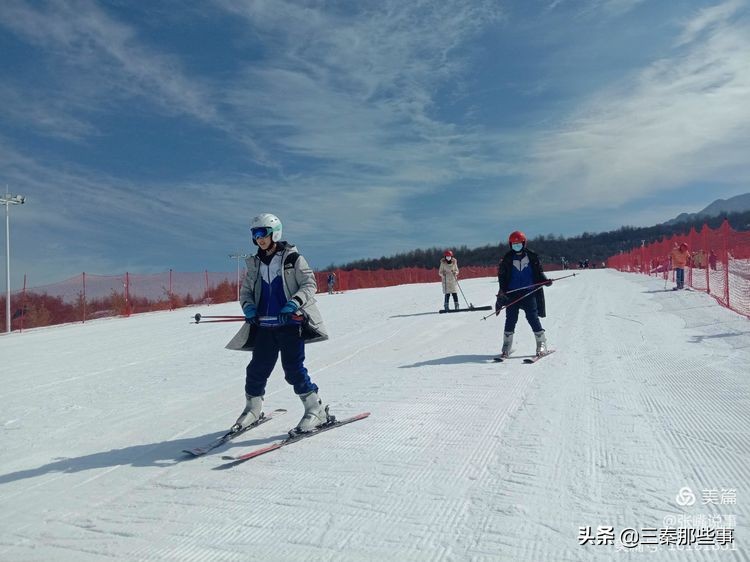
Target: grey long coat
point(299, 284)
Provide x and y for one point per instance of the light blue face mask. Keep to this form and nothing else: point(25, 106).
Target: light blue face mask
point(517, 247)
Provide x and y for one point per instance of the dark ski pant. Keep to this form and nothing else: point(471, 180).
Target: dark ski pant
point(447, 299)
point(528, 305)
point(269, 343)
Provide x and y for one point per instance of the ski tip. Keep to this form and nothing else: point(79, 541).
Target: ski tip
point(343, 421)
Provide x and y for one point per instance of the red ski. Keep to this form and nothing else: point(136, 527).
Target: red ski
point(231, 434)
point(293, 438)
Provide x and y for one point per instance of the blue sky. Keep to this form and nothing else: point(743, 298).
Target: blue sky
point(145, 135)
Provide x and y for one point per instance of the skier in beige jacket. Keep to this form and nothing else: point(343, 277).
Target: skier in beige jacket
point(449, 274)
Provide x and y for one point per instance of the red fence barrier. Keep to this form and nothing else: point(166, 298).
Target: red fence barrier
point(719, 263)
point(86, 296)
point(367, 279)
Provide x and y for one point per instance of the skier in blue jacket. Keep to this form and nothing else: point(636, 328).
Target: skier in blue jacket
point(519, 268)
point(278, 301)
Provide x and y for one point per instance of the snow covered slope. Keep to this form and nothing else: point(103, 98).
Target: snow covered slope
point(648, 393)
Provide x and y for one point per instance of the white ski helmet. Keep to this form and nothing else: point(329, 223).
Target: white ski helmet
point(269, 221)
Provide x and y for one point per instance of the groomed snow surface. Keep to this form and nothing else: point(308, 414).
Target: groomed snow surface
point(462, 459)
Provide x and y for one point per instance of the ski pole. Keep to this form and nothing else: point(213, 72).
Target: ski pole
point(540, 283)
point(223, 320)
point(198, 317)
point(564, 277)
point(497, 313)
point(470, 305)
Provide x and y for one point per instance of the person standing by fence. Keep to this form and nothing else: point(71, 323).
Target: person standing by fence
point(680, 257)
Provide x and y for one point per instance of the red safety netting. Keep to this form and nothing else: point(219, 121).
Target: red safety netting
point(367, 279)
point(719, 263)
point(87, 296)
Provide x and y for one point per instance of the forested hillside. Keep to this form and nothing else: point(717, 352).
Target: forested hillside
point(551, 248)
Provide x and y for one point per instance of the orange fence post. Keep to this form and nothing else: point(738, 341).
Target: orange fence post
point(127, 294)
point(23, 303)
point(725, 259)
point(706, 253)
point(83, 320)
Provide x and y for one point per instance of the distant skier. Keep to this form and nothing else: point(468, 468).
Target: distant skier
point(680, 257)
point(520, 268)
point(331, 282)
point(278, 301)
point(449, 274)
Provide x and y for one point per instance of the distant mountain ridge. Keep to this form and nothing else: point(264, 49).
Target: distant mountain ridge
point(737, 204)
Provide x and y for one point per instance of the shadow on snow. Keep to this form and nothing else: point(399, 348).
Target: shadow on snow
point(164, 454)
point(451, 360)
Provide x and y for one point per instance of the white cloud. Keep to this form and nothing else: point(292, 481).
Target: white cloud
point(103, 61)
point(611, 8)
point(683, 119)
point(79, 220)
point(620, 7)
point(357, 91)
point(55, 117)
point(87, 39)
point(708, 18)
point(349, 106)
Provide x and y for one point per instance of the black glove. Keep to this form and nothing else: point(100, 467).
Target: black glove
point(502, 300)
point(548, 283)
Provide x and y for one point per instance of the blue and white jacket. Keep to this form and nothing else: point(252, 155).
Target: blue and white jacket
point(521, 270)
point(269, 286)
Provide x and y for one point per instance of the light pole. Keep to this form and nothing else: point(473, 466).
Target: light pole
point(8, 200)
point(238, 257)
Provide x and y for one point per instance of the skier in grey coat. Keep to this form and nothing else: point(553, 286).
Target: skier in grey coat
point(448, 272)
point(278, 301)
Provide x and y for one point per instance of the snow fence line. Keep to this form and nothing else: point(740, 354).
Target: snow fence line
point(719, 263)
point(88, 297)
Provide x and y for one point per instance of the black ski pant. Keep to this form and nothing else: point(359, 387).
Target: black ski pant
point(528, 305)
point(447, 299)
